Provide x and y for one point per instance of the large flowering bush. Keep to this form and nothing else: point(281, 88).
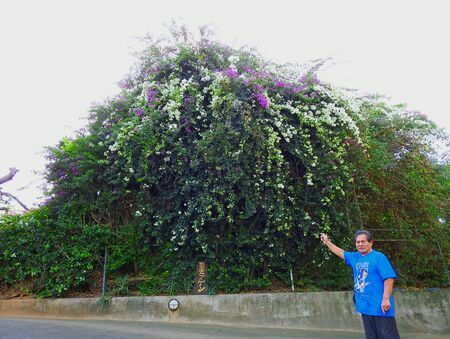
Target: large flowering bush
point(215, 152)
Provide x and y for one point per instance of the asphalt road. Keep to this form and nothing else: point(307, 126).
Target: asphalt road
point(24, 328)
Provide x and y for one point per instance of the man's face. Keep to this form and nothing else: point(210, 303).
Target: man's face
point(362, 245)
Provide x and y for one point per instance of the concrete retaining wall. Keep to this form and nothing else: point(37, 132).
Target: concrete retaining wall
point(416, 311)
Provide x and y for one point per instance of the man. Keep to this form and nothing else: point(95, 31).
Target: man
point(373, 283)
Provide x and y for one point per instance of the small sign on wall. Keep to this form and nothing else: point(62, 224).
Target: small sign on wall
point(200, 286)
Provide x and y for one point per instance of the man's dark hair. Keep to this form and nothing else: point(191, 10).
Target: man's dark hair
point(367, 233)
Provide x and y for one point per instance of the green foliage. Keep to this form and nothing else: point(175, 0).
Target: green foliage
point(236, 278)
point(402, 191)
point(173, 277)
point(56, 254)
point(121, 286)
point(214, 154)
point(153, 285)
point(126, 249)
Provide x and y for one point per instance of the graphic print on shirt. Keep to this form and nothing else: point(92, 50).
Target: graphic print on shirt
point(362, 271)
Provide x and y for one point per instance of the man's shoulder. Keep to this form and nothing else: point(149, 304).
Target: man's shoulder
point(379, 254)
point(380, 258)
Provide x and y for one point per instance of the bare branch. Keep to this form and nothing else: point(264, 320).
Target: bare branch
point(15, 198)
point(8, 177)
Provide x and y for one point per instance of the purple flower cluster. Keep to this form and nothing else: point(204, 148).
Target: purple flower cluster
point(282, 84)
point(298, 89)
point(260, 96)
point(300, 86)
point(155, 69)
point(125, 83)
point(257, 74)
point(231, 73)
point(262, 100)
point(249, 70)
point(309, 78)
point(259, 88)
point(138, 111)
point(289, 86)
point(151, 97)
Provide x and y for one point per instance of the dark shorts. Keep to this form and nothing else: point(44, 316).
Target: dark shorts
point(380, 327)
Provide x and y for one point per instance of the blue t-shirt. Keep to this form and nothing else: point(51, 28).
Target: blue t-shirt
point(369, 273)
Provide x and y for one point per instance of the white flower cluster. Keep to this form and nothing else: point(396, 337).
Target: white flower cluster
point(331, 113)
point(173, 92)
point(173, 109)
point(327, 115)
point(199, 106)
point(309, 177)
point(233, 60)
point(205, 74)
point(185, 84)
point(287, 130)
point(353, 101)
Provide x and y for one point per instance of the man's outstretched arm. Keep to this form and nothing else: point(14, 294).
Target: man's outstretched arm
point(333, 248)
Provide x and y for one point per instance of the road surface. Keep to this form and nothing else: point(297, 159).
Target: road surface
point(26, 328)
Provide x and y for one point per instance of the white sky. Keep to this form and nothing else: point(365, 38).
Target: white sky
point(57, 57)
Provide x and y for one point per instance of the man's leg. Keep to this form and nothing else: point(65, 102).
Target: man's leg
point(370, 326)
point(386, 328)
